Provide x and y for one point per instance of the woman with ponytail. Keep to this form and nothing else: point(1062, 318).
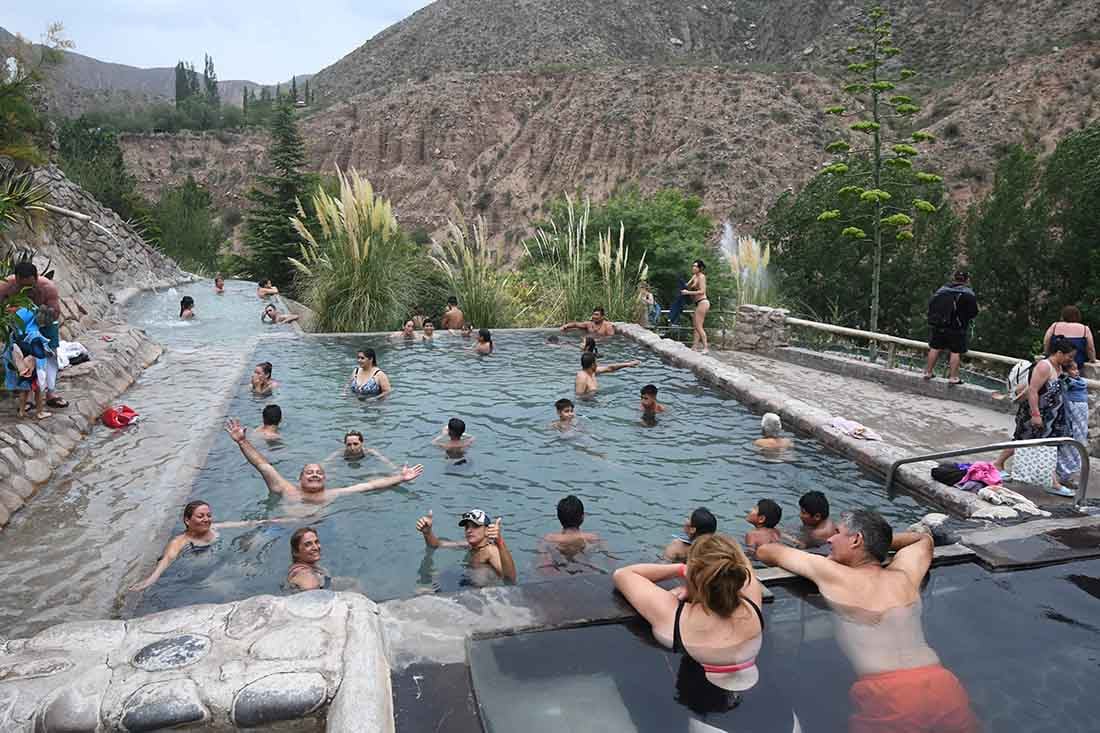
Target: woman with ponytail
point(715, 619)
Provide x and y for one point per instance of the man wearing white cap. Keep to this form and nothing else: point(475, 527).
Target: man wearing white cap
point(484, 542)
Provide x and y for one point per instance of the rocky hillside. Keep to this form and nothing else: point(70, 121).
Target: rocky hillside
point(499, 105)
point(943, 38)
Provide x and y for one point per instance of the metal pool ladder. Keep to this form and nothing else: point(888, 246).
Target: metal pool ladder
point(1082, 486)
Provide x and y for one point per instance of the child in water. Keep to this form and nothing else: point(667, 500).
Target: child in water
point(764, 517)
point(452, 439)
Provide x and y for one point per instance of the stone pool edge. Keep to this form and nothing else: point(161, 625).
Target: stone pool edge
point(810, 420)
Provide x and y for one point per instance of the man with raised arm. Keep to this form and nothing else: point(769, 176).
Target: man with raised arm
point(483, 541)
point(901, 684)
point(599, 326)
point(585, 382)
point(311, 481)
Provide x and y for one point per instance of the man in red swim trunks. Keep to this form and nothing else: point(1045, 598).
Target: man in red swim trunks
point(902, 687)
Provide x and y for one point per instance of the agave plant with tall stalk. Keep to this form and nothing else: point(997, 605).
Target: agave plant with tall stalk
point(357, 270)
point(620, 278)
point(475, 270)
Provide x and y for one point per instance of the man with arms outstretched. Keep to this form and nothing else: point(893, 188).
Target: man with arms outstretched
point(901, 685)
point(311, 481)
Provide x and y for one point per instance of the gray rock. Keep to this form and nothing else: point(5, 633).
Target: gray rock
point(311, 604)
point(10, 500)
point(70, 712)
point(83, 635)
point(37, 470)
point(172, 653)
point(278, 697)
point(160, 705)
point(249, 616)
point(177, 619)
point(292, 642)
point(34, 668)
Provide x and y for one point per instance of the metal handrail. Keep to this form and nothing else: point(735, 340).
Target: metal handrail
point(1082, 486)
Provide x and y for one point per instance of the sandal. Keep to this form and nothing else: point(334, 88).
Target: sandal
point(954, 382)
point(58, 402)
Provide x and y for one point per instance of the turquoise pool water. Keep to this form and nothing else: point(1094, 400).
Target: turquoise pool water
point(638, 481)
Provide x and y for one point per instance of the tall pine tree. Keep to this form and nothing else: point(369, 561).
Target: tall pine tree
point(294, 88)
point(268, 232)
point(183, 85)
point(210, 82)
point(305, 93)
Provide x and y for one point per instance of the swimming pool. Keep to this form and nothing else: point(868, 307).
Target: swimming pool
point(638, 481)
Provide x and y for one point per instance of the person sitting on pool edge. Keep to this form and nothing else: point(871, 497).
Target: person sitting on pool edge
point(764, 517)
point(272, 315)
point(305, 572)
point(266, 289)
point(200, 532)
point(770, 427)
point(355, 449)
point(484, 542)
point(901, 683)
point(585, 382)
point(700, 523)
point(452, 441)
point(262, 383)
point(649, 403)
point(566, 413)
point(817, 528)
point(598, 326)
point(311, 481)
point(272, 415)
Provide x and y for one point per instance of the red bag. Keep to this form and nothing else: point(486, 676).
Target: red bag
point(118, 417)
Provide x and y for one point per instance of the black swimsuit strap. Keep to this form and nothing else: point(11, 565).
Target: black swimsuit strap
point(677, 642)
point(756, 608)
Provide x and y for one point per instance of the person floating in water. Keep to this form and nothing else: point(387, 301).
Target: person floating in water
point(598, 326)
point(569, 551)
point(453, 319)
point(649, 403)
point(187, 308)
point(765, 518)
point(484, 345)
point(566, 414)
point(219, 285)
point(585, 382)
point(272, 315)
point(266, 289)
point(901, 685)
point(700, 523)
point(200, 532)
point(452, 439)
point(305, 572)
point(355, 449)
point(483, 541)
point(272, 415)
point(817, 528)
point(771, 427)
point(262, 383)
point(367, 379)
point(311, 481)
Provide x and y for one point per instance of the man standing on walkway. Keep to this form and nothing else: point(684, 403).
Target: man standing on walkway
point(43, 293)
point(950, 311)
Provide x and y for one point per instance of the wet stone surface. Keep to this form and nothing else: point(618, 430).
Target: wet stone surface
point(163, 705)
point(178, 651)
point(250, 616)
point(283, 696)
point(313, 604)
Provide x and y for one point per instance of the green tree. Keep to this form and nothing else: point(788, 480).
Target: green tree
point(183, 85)
point(859, 170)
point(268, 231)
point(210, 83)
point(308, 98)
point(188, 231)
point(1012, 258)
point(1071, 186)
point(294, 88)
point(91, 156)
point(819, 270)
point(22, 65)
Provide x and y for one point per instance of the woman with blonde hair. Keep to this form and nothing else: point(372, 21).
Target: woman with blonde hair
point(715, 619)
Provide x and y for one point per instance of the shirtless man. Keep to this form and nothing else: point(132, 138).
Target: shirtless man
point(484, 542)
point(770, 427)
point(266, 289)
point(566, 413)
point(817, 528)
point(599, 326)
point(271, 314)
point(42, 292)
point(453, 317)
point(567, 551)
point(649, 403)
point(272, 415)
point(311, 481)
point(701, 522)
point(585, 382)
point(452, 439)
point(901, 684)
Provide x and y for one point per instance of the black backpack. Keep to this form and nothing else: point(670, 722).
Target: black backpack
point(942, 309)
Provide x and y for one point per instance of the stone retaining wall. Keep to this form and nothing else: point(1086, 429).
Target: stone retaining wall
point(30, 449)
point(760, 328)
point(311, 661)
point(814, 422)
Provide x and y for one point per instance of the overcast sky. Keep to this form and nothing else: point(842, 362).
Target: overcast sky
point(264, 41)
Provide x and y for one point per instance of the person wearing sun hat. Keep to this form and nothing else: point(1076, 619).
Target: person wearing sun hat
point(483, 541)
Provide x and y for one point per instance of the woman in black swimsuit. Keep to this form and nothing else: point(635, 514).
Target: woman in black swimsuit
point(199, 535)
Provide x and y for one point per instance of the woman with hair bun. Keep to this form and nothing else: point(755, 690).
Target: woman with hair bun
point(1071, 329)
point(715, 620)
point(696, 289)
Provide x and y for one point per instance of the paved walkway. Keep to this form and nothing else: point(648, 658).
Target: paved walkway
point(906, 419)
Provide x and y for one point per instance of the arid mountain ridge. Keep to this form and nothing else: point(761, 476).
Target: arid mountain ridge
point(499, 105)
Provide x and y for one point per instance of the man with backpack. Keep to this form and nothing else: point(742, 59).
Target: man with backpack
point(950, 311)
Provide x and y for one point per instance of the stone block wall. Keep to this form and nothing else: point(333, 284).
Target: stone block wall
point(760, 328)
point(264, 663)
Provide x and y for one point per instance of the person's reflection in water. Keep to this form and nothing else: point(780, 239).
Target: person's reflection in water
point(901, 685)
